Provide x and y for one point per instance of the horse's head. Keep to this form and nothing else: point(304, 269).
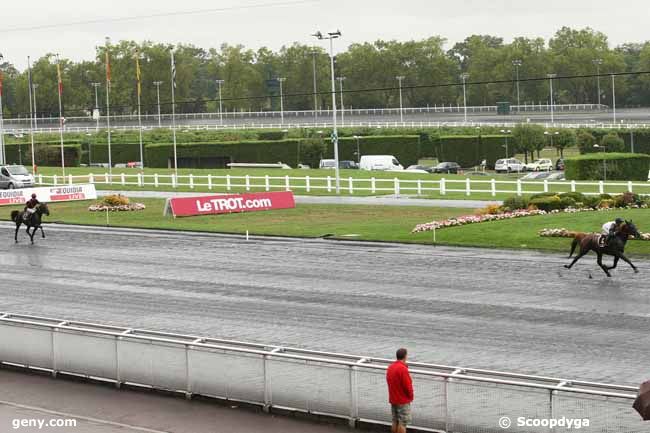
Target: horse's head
point(630, 229)
point(43, 209)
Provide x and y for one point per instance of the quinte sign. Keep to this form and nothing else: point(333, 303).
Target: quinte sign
point(234, 203)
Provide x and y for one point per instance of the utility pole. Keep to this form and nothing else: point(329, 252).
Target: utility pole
point(157, 84)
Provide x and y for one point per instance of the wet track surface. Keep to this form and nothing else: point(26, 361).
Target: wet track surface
point(503, 310)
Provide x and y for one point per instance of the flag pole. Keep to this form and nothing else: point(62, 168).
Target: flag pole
point(174, 112)
point(139, 90)
point(3, 157)
point(31, 113)
point(60, 80)
point(108, 110)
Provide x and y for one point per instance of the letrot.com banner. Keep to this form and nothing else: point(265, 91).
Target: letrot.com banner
point(220, 204)
point(48, 194)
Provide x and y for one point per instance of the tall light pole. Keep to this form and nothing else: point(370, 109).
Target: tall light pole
point(157, 84)
point(597, 146)
point(356, 137)
point(314, 53)
point(517, 63)
point(281, 80)
point(341, 80)
point(550, 82)
point(399, 79)
point(551, 134)
point(335, 136)
point(597, 62)
point(96, 114)
point(219, 83)
point(464, 77)
point(34, 87)
point(2, 132)
point(614, 97)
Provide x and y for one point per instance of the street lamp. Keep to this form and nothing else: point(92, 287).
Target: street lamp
point(157, 84)
point(2, 132)
point(281, 80)
point(464, 76)
point(517, 63)
point(401, 109)
point(596, 146)
point(96, 113)
point(614, 97)
point(550, 81)
point(506, 132)
point(598, 62)
point(551, 134)
point(341, 80)
point(219, 83)
point(356, 137)
point(314, 53)
point(335, 138)
point(34, 87)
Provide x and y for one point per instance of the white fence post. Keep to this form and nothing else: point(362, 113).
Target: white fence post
point(287, 184)
point(573, 186)
point(228, 184)
point(122, 179)
point(373, 185)
point(248, 182)
point(545, 185)
point(155, 180)
point(174, 180)
point(140, 182)
point(191, 181)
point(468, 187)
point(91, 179)
point(329, 184)
point(267, 184)
point(493, 187)
point(69, 179)
point(519, 187)
point(601, 187)
point(396, 187)
point(419, 187)
point(54, 179)
point(40, 179)
point(307, 184)
point(350, 187)
point(210, 181)
point(629, 186)
point(443, 186)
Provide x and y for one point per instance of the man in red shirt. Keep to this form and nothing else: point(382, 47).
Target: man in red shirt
point(400, 392)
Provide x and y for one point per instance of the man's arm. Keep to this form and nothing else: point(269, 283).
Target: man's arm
point(408, 384)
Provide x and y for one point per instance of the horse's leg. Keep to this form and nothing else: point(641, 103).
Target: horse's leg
point(16, 234)
point(574, 244)
point(576, 258)
point(31, 235)
point(626, 260)
point(42, 232)
point(599, 260)
point(615, 262)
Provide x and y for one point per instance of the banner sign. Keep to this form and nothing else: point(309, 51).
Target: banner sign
point(48, 194)
point(234, 203)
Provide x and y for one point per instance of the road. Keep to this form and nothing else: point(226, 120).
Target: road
point(514, 311)
point(640, 115)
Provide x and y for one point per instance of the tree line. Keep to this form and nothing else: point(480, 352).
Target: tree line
point(250, 76)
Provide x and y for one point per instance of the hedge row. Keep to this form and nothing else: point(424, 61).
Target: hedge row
point(620, 166)
point(469, 151)
point(45, 155)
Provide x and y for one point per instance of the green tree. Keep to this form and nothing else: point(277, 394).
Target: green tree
point(564, 138)
point(586, 142)
point(529, 138)
point(612, 143)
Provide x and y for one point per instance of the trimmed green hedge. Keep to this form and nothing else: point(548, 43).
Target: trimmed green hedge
point(470, 150)
point(121, 153)
point(406, 148)
point(49, 155)
point(620, 166)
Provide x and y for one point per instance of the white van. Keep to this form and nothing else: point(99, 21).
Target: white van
point(15, 176)
point(379, 162)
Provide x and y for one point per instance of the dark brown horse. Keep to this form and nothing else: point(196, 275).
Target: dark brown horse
point(34, 221)
point(615, 247)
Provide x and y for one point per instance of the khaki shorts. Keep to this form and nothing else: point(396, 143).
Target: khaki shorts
point(401, 414)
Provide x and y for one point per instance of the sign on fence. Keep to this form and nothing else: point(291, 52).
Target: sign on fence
point(48, 194)
point(234, 203)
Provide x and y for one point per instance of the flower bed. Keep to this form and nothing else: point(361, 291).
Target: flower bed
point(564, 233)
point(100, 207)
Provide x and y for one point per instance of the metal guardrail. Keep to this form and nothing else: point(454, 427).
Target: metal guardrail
point(448, 398)
point(349, 185)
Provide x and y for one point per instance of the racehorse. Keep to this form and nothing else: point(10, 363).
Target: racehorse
point(615, 247)
point(33, 222)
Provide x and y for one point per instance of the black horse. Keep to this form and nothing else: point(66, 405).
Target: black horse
point(33, 221)
point(615, 247)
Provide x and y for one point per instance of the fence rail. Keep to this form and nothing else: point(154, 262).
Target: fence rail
point(448, 398)
point(349, 185)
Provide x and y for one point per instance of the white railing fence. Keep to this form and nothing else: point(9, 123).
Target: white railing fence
point(447, 398)
point(349, 185)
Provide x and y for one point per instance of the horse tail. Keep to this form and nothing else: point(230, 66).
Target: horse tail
point(14, 215)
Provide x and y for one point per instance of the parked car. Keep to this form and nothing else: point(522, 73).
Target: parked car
point(331, 164)
point(537, 175)
point(380, 162)
point(419, 169)
point(540, 165)
point(559, 164)
point(447, 167)
point(348, 165)
point(508, 165)
point(558, 175)
point(15, 176)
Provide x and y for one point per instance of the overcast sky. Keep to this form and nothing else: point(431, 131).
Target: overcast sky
point(274, 26)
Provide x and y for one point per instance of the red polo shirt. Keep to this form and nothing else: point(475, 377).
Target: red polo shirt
point(400, 387)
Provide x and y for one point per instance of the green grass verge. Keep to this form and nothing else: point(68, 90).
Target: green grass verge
point(374, 223)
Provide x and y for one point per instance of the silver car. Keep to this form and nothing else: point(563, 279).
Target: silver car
point(15, 176)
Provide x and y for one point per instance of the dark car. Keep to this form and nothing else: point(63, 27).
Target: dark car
point(348, 165)
point(447, 167)
point(559, 164)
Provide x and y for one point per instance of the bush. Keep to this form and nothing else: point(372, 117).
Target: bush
point(578, 197)
point(566, 202)
point(515, 203)
point(627, 199)
point(591, 201)
point(271, 135)
point(470, 150)
point(547, 203)
point(620, 166)
point(586, 142)
point(543, 195)
point(115, 200)
point(613, 143)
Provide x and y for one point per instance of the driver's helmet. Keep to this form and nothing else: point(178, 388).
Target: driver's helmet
point(618, 221)
point(33, 195)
